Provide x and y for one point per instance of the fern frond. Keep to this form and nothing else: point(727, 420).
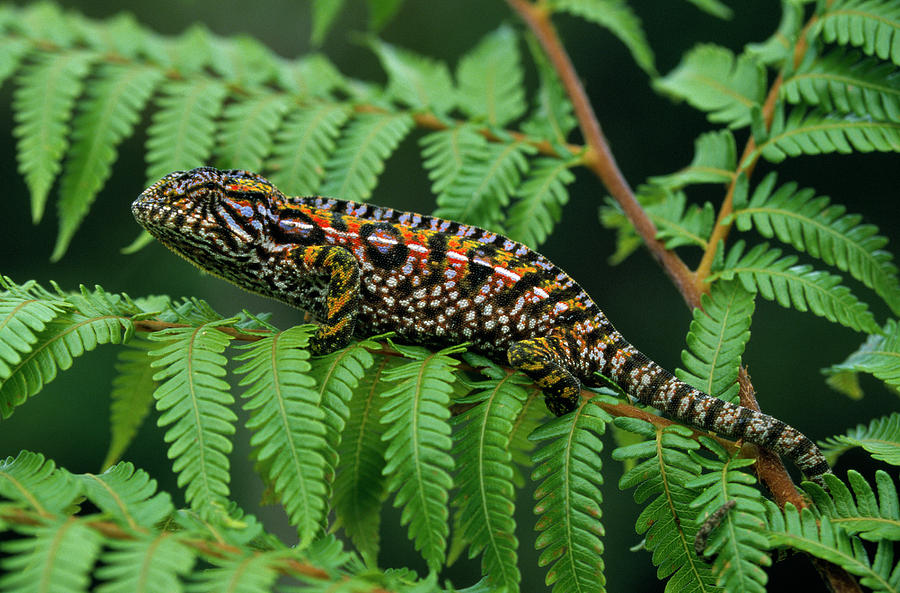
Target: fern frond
point(486, 499)
point(846, 83)
point(131, 395)
point(540, 200)
point(311, 76)
point(568, 496)
point(242, 61)
point(416, 81)
point(12, 51)
point(22, 319)
point(879, 355)
point(737, 542)
point(323, 14)
point(712, 79)
point(110, 110)
point(245, 134)
point(359, 486)
point(146, 563)
point(818, 537)
point(369, 139)
point(678, 223)
point(815, 132)
point(445, 152)
point(881, 439)
point(53, 557)
point(35, 482)
point(251, 573)
point(662, 473)
point(415, 412)
point(617, 17)
point(780, 45)
point(303, 144)
point(715, 161)
point(194, 399)
point(483, 185)
point(871, 25)
point(553, 116)
point(43, 103)
point(127, 495)
point(288, 436)
point(716, 340)
point(182, 131)
point(813, 225)
point(871, 517)
point(778, 279)
point(530, 417)
point(490, 79)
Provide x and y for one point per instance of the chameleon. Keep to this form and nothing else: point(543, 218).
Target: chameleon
point(362, 269)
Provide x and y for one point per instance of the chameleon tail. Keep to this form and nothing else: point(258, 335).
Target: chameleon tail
point(651, 384)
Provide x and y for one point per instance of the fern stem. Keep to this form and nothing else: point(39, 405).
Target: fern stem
point(599, 157)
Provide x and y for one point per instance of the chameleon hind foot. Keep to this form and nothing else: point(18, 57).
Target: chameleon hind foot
point(538, 359)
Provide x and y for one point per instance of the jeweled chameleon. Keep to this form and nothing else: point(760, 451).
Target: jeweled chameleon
point(360, 268)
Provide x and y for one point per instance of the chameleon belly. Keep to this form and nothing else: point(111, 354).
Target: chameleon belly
point(359, 268)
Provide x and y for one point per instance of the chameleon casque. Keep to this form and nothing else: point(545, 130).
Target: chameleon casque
point(359, 268)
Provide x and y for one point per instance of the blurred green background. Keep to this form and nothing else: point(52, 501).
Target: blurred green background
point(649, 135)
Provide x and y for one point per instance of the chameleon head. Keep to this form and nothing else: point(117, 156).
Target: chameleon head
point(215, 219)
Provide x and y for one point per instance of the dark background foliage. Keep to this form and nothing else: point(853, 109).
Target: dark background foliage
point(649, 135)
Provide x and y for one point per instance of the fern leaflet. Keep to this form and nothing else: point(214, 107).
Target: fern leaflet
point(715, 160)
point(879, 355)
point(568, 496)
point(553, 116)
point(490, 79)
point(871, 25)
point(370, 138)
point(800, 286)
point(131, 395)
point(520, 446)
point(881, 438)
point(22, 319)
point(34, 482)
point(718, 334)
point(245, 135)
point(111, 109)
point(871, 518)
point(195, 399)
point(540, 200)
point(824, 231)
point(146, 563)
point(415, 412)
point(288, 436)
point(252, 573)
point(486, 499)
point(128, 496)
point(303, 144)
point(416, 81)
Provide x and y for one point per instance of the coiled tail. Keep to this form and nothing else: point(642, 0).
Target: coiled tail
point(652, 385)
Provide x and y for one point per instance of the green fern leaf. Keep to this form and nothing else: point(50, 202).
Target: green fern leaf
point(871, 25)
point(617, 17)
point(540, 200)
point(120, 36)
point(844, 83)
point(54, 557)
point(245, 136)
point(777, 279)
point(486, 499)
point(415, 412)
point(719, 332)
point(879, 355)
point(824, 231)
point(359, 486)
point(483, 185)
point(63, 338)
point(22, 319)
point(111, 109)
point(45, 21)
point(662, 473)
point(818, 537)
point(127, 495)
point(737, 542)
point(416, 81)
point(195, 399)
point(867, 516)
point(780, 45)
point(303, 144)
point(715, 161)
point(252, 573)
point(311, 76)
point(182, 131)
point(146, 563)
point(712, 79)
point(881, 438)
point(323, 15)
point(34, 482)
point(131, 395)
point(678, 223)
point(446, 152)
point(43, 104)
point(553, 116)
point(188, 53)
point(12, 50)
point(532, 415)
point(568, 498)
point(288, 436)
point(490, 79)
point(370, 138)
point(814, 132)
point(243, 61)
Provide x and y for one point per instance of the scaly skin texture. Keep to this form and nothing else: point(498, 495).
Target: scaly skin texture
point(362, 269)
